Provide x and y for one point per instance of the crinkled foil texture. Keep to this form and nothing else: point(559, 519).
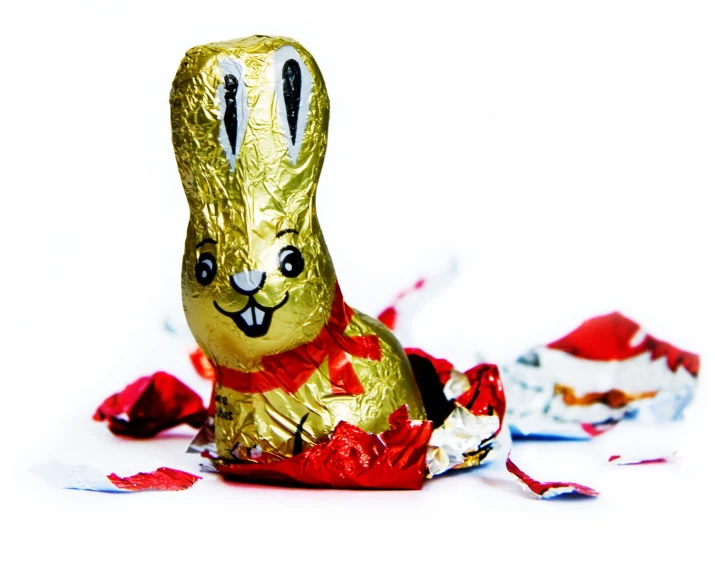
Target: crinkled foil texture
point(250, 142)
point(466, 412)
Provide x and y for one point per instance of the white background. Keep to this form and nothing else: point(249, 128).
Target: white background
point(562, 152)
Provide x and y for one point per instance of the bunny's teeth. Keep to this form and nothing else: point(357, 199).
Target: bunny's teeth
point(247, 317)
point(253, 316)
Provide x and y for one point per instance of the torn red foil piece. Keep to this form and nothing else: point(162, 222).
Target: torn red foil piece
point(152, 404)
point(203, 367)
point(547, 490)
point(351, 458)
point(388, 316)
point(89, 478)
point(632, 459)
point(162, 479)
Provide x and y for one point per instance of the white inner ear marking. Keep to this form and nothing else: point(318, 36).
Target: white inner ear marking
point(280, 58)
point(237, 100)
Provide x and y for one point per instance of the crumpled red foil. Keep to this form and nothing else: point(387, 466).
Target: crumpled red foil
point(351, 458)
point(485, 395)
point(547, 490)
point(152, 404)
point(162, 479)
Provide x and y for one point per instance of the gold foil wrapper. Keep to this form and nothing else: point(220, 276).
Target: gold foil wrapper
point(250, 124)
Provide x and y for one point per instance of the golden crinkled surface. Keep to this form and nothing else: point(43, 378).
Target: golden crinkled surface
point(250, 123)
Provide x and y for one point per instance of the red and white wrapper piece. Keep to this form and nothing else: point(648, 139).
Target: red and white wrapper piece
point(605, 370)
point(81, 477)
point(547, 490)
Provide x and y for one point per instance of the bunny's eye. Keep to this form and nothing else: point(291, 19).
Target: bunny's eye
point(233, 109)
point(290, 262)
point(294, 85)
point(205, 269)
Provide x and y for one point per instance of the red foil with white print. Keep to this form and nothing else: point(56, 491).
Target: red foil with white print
point(606, 370)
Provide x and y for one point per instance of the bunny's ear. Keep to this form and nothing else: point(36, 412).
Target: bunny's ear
point(209, 118)
point(233, 108)
point(294, 88)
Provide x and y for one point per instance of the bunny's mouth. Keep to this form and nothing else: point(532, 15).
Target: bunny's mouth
point(254, 319)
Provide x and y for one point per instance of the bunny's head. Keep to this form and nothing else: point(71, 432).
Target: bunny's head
point(250, 123)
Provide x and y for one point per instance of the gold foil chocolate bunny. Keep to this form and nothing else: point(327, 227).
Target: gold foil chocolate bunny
point(250, 125)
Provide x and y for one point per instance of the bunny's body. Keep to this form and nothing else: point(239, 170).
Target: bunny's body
point(250, 121)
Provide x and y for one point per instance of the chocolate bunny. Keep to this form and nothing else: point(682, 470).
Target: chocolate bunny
point(250, 123)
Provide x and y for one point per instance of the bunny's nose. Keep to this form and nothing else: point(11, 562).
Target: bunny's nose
point(248, 282)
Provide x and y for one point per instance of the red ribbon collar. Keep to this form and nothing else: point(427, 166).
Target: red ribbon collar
point(290, 370)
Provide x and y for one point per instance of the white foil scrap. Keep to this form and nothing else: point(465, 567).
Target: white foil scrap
point(75, 477)
point(462, 434)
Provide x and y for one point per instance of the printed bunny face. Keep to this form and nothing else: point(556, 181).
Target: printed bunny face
point(249, 121)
